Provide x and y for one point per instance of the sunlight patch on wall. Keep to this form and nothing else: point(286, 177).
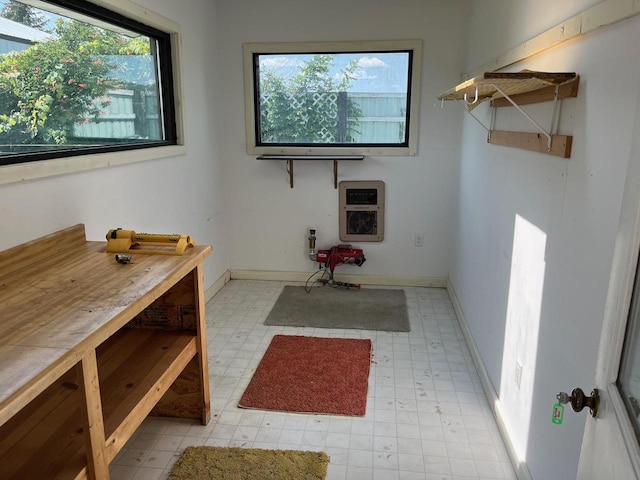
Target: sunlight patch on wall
point(521, 329)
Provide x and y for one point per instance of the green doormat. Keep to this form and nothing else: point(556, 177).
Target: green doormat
point(231, 463)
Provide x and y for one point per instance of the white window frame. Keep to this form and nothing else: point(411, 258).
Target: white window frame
point(46, 168)
point(249, 49)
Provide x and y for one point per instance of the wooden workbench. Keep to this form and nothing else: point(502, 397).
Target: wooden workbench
point(89, 347)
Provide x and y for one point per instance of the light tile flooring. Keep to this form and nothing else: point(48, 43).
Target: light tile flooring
point(427, 416)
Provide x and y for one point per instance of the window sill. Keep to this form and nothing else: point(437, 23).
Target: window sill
point(411, 150)
point(49, 168)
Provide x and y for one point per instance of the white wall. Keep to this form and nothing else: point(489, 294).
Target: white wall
point(270, 221)
point(179, 194)
point(499, 25)
point(535, 234)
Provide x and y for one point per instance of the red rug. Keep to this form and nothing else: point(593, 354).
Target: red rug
point(311, 375)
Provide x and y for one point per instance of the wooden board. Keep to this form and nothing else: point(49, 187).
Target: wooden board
point(25, 255)
point(139, 380)
point(21, 360)
point(547, 94)
point(184, 397)
point(49, 429)
point(512, 83)
point(174, 310)
point(92, 420)
point(535, 142)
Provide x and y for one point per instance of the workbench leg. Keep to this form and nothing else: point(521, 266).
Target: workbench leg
point(92, 420)
point(202, 345)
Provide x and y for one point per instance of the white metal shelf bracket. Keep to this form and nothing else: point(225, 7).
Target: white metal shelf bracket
point(458, 102)
point(554, 116)
point(528, 117)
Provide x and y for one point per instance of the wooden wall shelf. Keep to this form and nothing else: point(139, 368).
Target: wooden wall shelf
point(505, 89)
point(511, 83)
point(544, 94)
point(291, 158)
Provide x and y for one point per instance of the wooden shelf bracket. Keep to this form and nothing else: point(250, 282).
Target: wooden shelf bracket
point(290, 158)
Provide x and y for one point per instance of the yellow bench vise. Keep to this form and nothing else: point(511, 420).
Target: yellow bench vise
point(128, 241)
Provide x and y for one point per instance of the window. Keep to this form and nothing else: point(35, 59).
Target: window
point(332, 98)
point(77, 78)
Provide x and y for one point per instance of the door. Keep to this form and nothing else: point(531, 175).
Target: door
point(610, 448)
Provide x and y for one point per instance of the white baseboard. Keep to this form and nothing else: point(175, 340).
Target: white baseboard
point(217, 286)
point(350, 278)
point(519, 465)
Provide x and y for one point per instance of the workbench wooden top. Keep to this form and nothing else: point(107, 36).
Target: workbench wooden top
point(58, 301)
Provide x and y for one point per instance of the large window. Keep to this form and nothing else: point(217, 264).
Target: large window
point(77, 78)
point(332, 98)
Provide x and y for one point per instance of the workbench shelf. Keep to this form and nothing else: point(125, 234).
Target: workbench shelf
point(136, 368)
point(48, 429)
point(143, 354)
point(513, 89)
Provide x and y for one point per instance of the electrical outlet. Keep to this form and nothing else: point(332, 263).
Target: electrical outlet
point(419, 240)
point(518, 374)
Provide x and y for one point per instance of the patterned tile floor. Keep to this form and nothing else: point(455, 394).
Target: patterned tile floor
point(427, 416)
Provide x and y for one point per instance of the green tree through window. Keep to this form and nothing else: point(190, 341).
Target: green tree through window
point(47, 88)
point(93, 81)
point(24, 14)
point(309, 107)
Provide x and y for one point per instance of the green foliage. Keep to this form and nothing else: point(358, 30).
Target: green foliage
point(305, 108)
point(24, 14)
point(51, 86)
point(136, 46)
